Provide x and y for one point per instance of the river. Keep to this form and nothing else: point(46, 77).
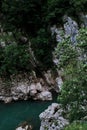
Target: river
point(11, 115)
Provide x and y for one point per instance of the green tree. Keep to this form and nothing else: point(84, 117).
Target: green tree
point(43, 45)
point(77, 126)
point(25, 15)
point(57, 9)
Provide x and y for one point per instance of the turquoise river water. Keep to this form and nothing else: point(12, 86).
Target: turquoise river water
point(11, 115)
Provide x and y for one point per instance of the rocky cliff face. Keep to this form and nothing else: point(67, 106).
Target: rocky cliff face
point(70, 28)
point(52, 119)
point(31, 87)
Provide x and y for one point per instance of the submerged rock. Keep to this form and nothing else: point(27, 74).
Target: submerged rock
point(52, 119)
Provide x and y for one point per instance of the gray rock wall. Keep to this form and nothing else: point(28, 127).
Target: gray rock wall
point(52, 119)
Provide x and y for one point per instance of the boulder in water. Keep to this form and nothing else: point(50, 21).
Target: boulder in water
point(24, 126)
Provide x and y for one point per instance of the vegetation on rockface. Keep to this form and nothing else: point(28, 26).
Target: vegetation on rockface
point(33, 20)
point(29, 22)
point(14, 57)
point(57, 8)
point(73, 62)
point(26, 18)
point(24, 15)
point(77, 126)
point(32, 15)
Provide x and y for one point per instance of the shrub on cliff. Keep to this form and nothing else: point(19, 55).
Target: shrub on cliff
point(14, 57)
point(77, 126)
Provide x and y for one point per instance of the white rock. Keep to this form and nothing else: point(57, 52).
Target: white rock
point(28, 89)
point(26, 127)
point(20, 128)
point(15, 98)
point(33, 92)
point(52, 118)
point(22, 88)
point(48, 76)
point(56, 61)
point(59, 83)
point(7, 99)
point(1, 97)
point(71, 29)
point(32, 86)
point(3, 44)
point(45, 95)
point(39, 87)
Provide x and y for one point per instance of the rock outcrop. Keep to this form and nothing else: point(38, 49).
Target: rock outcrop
point(70, 30)
point(29, 88)
point(24, 126)
point(24, 92)
point(52, 119)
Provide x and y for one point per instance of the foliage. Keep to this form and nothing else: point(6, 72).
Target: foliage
point(65, 53)
point(32, 15)
point(77, 126)
point(43, 46)
point(34, 19)
point(25, 15)
point(82, 40)
point(57, 8)
point(29, 17)
point(14, 57)
point(73, 62)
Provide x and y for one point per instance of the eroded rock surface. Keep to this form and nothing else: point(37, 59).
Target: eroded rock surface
point(52, 119)
point(29, 88)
